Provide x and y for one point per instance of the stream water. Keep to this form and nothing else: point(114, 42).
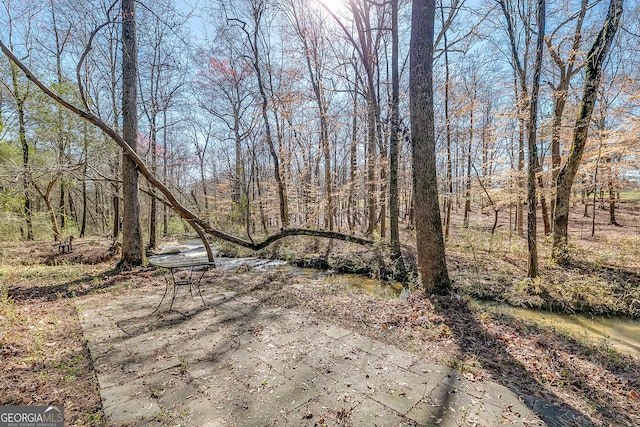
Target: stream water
point(621, 334)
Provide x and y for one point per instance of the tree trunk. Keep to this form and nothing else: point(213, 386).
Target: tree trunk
point(165, 211)
point(612, 193)
point(153, 209)
point(371, 167)
point(132, 253)
point(85, 168)
point(430, 243)
point(449, 192)
point(519, 179)
point(544, 207)
point(532, 265)
point(22, 136)
point(46, 196)
point(593, 67)
point(353, 165)
point(394, 211)
point(595, 180)
point(567, 70)
point(282, 193)
point(467, 190)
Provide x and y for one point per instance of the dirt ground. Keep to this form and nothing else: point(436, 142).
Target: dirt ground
point(46, 360)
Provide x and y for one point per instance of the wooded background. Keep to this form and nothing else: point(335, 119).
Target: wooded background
point(261, 115)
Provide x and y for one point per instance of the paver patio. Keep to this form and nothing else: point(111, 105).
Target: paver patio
point(236, 362)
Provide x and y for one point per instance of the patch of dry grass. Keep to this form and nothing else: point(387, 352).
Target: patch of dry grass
point(45, 357)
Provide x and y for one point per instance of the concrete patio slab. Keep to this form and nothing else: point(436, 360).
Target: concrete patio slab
point(236, 362)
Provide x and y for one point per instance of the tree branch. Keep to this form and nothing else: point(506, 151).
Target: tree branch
point(183, 211)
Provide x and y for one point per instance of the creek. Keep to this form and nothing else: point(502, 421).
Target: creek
point(622, 334)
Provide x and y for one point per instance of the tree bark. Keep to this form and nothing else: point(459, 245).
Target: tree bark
point(430, 243)
point(394, 211)
point(532, 264)
point(593, 67)
point(132, 253)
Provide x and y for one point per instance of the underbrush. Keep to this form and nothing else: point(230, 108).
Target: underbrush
point(598, 282)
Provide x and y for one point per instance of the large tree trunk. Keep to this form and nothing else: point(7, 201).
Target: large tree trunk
point(532, 265)
point(430, 243)
point(132, 253)
point(593, 67)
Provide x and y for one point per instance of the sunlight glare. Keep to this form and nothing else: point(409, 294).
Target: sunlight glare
point(332, 5)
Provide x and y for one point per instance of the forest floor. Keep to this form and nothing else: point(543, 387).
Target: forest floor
point(46, 358)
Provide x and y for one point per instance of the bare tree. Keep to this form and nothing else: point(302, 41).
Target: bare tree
point(310, 31)
point(430, 243)
point(254, 39)
point(527, 107)
point(532, 264)
point(567, 69)
point(394, 211)
point(19, 91)
point(593, 72)
point(132, 253)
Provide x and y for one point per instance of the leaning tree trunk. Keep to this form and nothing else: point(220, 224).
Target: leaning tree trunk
point(132, 254)
point(430, 243)
point(593, 67)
